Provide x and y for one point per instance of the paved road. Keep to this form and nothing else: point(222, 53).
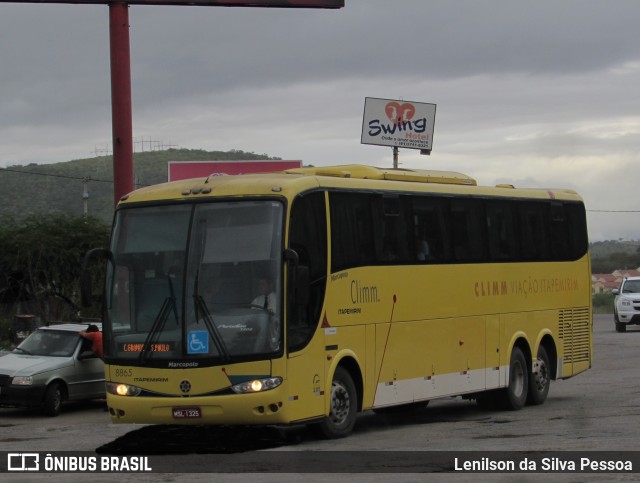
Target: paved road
point(597, 410)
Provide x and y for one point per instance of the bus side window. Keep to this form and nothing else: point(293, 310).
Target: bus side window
point(559, 235)
point(468, 230)
point(353, 243)
point(429, 230)
point(308, 237)
point(533, 231)
point(391, 229)
point(578, 239)
point(503, 243)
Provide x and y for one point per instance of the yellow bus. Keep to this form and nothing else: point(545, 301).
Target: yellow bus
point(313, 294)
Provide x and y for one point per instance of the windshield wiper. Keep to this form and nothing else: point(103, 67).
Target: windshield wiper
point(156, 328)
point(23, 350)
point(201, 306)
point(168, 306)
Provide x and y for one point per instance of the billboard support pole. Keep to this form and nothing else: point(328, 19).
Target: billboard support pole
point(395, 157)
point(121, 118)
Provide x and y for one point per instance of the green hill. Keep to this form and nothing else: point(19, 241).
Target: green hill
point(58, 188)
point(40, 189)
point(605, 249)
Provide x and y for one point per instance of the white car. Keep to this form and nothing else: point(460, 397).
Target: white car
point(54, 364)
point(626, 307)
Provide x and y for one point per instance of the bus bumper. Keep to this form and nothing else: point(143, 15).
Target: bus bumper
point(268, 407)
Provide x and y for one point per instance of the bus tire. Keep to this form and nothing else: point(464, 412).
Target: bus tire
point(52, 403)
point(343, 407)
point(539, 378)
point(514, 396)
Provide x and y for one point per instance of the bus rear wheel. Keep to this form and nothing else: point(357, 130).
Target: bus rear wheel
point(343, 407)
point(514, 396)
point(540, 378)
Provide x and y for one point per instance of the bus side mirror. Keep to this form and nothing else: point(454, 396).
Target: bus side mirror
point(299, 283)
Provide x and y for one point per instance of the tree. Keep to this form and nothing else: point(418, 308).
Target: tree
point(615, 261)
point(41, 259)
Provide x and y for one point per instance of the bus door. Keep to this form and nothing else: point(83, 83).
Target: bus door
point(305, 300)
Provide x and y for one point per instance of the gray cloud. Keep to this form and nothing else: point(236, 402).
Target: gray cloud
point(533, 92)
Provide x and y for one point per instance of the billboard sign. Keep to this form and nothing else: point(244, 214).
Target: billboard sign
point(178, 170)
point(402, 124)
point(209, 3)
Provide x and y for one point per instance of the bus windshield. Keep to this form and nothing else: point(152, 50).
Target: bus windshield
point(195, 281)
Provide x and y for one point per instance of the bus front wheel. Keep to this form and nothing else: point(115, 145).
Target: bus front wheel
point(514, 396)
point(343, 407)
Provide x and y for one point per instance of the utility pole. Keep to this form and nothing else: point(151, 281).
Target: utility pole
point(121, 100)
point(85, 194)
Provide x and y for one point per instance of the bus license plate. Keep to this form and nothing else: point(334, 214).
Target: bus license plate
point(187, 413)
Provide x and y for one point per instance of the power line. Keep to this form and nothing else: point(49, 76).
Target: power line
point(613, 211)
point(51, 175)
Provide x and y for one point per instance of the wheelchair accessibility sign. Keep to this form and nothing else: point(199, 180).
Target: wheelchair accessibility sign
point(198, 342)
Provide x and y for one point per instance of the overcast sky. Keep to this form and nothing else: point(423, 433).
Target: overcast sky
point(538, 93)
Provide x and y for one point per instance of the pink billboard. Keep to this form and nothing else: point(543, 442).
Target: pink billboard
point(178, 170)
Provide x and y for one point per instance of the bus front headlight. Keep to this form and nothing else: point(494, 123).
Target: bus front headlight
point(120, 389)
point(257, 385)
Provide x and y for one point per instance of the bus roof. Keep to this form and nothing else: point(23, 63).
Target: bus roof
point(352, 176)
point(395, 174)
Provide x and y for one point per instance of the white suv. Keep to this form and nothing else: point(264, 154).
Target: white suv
point(626, 307)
